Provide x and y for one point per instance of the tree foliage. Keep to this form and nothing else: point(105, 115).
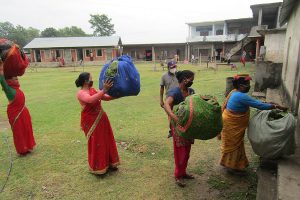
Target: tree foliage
point(18, 34)
point(102, 25)
point(50, 32)
point(23, 36)
point(72, 31)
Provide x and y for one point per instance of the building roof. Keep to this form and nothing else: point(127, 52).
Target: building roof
point(268, 8)
point(206, 23)
point(65, 42)
point(286, 10)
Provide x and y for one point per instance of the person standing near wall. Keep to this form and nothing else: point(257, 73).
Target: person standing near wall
point(243, 57)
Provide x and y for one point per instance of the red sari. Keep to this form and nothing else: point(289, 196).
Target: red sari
point(20, 121)
point(102, 149)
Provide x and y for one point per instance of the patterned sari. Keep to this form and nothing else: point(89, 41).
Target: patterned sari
point(232, 136)
point(102, 149)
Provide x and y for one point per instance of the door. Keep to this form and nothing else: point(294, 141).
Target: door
point(37, 55)
point(79, 55)
point(148, 54)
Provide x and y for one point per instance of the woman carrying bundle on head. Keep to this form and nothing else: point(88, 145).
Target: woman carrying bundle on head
point(102, 149)
point(13, 63)
point(235, 121)
point(182, 146)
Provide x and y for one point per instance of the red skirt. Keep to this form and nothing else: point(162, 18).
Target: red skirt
point(102, 149)
point(20, 121)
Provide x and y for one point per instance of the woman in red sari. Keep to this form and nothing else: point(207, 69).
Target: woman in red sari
point(182, 147)
point(102, 149)
point(18, 114)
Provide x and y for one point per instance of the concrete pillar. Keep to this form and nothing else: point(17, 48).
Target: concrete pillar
point(188, 52)
point(257, 49)
point(223, 50)
point(190, 32)
point(213, 29)
point(260, 13)
point(225, 29)
point(212, 51)
point(153, 58)
point(278, 15)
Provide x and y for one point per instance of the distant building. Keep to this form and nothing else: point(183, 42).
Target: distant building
point(227, 38)
point(50, 51)
point(155, 50)
point(213, 40)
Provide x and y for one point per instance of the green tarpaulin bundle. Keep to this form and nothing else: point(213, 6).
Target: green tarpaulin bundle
point(200, 117)
point(271, 133)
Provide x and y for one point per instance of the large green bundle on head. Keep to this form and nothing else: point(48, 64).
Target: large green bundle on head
point(200, 117)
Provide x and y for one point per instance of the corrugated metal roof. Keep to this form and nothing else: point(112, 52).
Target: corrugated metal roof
point(65, 42)
point(286, 10)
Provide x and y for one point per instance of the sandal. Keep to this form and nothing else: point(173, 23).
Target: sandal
point(180, 182)
point(188, 176)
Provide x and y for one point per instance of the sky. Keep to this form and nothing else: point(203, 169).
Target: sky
point(134, 20)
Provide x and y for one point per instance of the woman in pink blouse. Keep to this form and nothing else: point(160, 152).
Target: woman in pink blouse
point(102, 149)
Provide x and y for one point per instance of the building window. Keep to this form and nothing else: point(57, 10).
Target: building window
point(87, 53)
point(204, 30)
point(204, 33)
point(219, 32)
point(99, 52)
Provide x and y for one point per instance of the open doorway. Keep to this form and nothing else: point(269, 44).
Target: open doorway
point(38, 55)
point(148, 55)
point(79, 55)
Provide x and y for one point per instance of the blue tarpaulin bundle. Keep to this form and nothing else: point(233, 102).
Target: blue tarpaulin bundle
point(125, 76)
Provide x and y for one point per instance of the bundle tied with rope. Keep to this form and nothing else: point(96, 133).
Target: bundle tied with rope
point(124, 75)
point(14, 60)
point(200, 117)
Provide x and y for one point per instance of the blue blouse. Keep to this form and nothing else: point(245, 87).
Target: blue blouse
point(177, 95)
point(240, 102)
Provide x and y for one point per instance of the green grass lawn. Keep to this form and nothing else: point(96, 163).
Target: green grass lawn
point(58, 167)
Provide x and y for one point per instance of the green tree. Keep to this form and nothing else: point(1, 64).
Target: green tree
point(102, 25)
point(50, 32)
point(6, 29)
point(32, 33)
point(20, 35)
point(72, 31)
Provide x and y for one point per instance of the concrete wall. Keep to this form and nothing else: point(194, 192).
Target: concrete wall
point(291, 50)
point(291, 65)
point(267, 75)
point(274, 43)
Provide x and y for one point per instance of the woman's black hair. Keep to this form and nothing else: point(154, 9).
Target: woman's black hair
point(185, 74)
point(237, 82)
point(83, 77)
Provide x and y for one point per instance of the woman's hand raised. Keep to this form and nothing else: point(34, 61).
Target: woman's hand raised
point(107, 85)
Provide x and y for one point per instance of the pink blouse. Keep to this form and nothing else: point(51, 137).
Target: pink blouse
point(84, 97)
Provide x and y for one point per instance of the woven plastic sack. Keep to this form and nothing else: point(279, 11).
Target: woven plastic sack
point(125, 76)
point(271, 134)
point(200, 117)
